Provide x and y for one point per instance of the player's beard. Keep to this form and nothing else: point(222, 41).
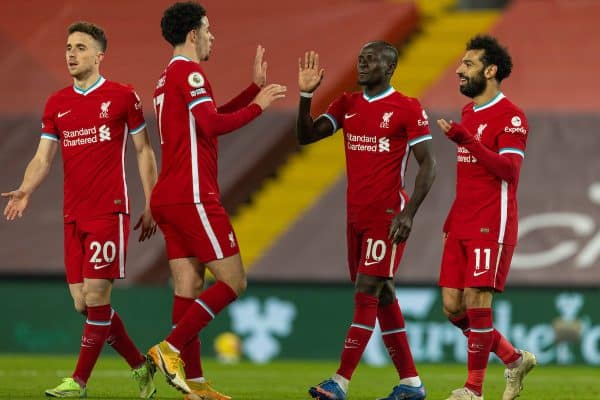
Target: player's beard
point(474, 86)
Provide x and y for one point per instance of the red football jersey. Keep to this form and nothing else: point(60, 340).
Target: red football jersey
point(189, 124)
point(378, 133)
point(92, 126)
point(485, 206)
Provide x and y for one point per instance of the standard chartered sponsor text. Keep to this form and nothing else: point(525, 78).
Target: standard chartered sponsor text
point(80, 136)
point(356, 142)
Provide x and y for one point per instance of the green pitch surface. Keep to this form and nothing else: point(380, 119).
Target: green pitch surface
point(26, 377)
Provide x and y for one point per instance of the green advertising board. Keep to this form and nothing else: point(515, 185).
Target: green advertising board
point(309, 322)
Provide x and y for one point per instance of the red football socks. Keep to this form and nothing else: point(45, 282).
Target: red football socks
point(479, 345)
point(461, 321)
point(190, 354)
point(95, 332)
point(504, 349)
point(500, 345)
point(365, 314)
point(393, 332)
point(122, 343)
point(199, 314)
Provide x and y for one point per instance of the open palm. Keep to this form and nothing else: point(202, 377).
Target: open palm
point(309, 72)
point(17, 203)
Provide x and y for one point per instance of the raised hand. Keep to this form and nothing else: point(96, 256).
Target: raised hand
point(269, 94)
point(309, 72)
point(147, 225)
point(17, 203)
point(259, 75)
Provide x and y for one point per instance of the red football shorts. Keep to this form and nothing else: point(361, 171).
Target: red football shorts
point(475, 263)
point(369, 250)
point(196, 230)
point(96, 247)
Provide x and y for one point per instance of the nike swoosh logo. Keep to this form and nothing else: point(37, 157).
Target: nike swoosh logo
point(348, 116)
point(367, 263)
point(96, 266)
point(164, 368)
point(60, 115)
point(480, 273)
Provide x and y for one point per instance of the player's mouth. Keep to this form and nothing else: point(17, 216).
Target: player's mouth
point(462, 80)
point(72, 64)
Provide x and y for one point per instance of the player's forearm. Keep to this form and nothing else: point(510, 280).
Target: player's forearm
point(37, 170)
point(503, 167)
point(306, 131)
point(148, 171)
point(423, 183)
point(241, 100)
point(216, 124)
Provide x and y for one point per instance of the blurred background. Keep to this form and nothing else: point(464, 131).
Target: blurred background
point(287, 203)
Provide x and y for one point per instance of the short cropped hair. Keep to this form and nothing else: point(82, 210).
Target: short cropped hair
point(93, 30)
point(494, 54)
point(389, 52)
point(179, 19)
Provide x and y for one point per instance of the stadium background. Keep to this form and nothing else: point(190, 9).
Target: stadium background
point(288, 203)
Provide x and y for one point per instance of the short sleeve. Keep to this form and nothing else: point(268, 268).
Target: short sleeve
point(417, 123)
point(335, 111)
point(135, 113)
point(194, 86)
point(513, 137)
point(49, 130)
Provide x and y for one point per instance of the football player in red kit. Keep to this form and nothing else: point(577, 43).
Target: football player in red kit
point(480, 232)
point(381, 127)
point(91, 122)
point(186, 200)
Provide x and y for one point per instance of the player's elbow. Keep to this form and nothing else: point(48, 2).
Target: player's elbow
point(303, 140)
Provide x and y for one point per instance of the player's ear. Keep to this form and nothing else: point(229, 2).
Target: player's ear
point(99, 57)
point(391, 68)
point(192, 36)
point(490, 71)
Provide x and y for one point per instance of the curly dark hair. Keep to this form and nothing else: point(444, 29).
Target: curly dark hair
point(179, 19)
point(494, 54)
point(94, 31)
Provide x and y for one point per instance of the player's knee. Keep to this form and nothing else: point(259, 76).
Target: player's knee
point(240, 285)
point(452, 308)
point(387, 295)
point(370, 285)
point(80, 306)
point(96, 297)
